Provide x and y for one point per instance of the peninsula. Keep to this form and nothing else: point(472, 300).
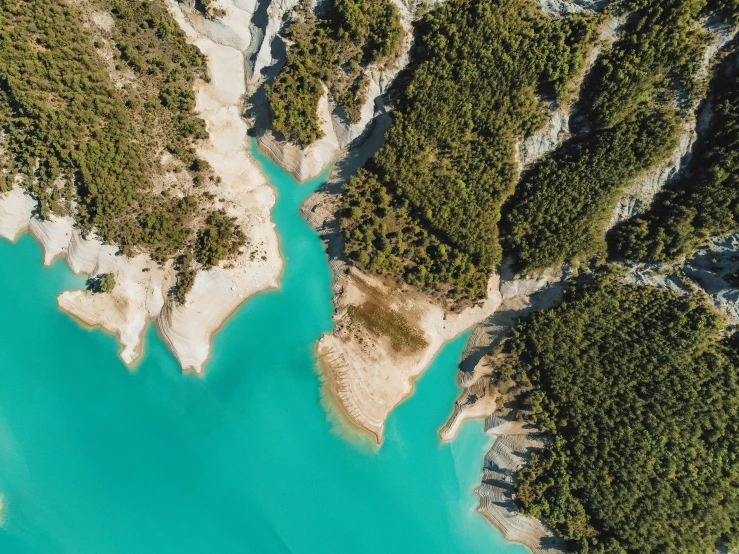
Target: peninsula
point(560, 177)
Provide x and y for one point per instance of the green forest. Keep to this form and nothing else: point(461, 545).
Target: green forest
point(331, 49)
point(705, 200)
point(86, 141)
point(637, 100)
point(637, 389)
point(560, 207)
point(656, 57)
point(425, 209)
point(438, 205)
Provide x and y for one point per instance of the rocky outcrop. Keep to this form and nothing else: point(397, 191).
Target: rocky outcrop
point(303, 162)
point(339, 133)
point(554, 133)
point(514, 443)
point(712, 269)
point(640, 193)
point(142, 286)
point(638, 196)
point(565, 7)
point(477, 402)
point(519, 296)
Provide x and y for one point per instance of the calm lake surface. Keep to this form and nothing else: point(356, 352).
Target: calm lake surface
point(95, 458)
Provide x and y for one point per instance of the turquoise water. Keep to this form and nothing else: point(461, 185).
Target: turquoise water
point(95, 458)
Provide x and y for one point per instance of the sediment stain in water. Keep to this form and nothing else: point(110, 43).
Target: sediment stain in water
point(96, 458)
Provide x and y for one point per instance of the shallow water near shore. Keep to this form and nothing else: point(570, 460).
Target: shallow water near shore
point(95, 458)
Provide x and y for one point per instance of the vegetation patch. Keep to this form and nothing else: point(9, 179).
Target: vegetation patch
point(425, 209)
point(219, 239)
point(102, 283)
point(385, 322)
point(705, 201)
point(639, 392)
point(88, 113)
point(655, 60)
point(332, 49)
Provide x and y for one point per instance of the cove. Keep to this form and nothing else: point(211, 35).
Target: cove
point(95, 458)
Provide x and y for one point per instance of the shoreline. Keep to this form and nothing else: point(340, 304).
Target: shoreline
point(91, 328)
point(508, 454)
point(340, 419)
point(367, 375)
point(94, 327)
point(141, 293)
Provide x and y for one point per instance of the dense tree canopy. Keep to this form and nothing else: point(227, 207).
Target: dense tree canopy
point(561, 207)
point(219, 239)
point(87, 113)
point(425, 208)
point(639, 392)
point(705, 201)
point(332, 49)
point(656, 57)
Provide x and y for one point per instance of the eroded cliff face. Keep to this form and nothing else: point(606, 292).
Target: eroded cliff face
point(508, 455)
point(564, 7)
point(713, 269)
point(339, 134)
point(142, 290)
point(639, 195)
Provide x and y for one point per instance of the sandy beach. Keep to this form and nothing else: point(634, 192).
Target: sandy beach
point(366, 373)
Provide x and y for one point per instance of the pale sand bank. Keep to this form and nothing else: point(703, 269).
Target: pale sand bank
point(14, 209)
point(339, 132)
point(368, 376)
point(142, 286)
point(245, 192)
